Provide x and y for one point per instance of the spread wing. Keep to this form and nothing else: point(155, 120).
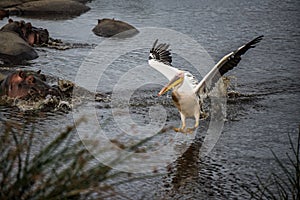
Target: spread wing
point(160, 59)
point(227, 63)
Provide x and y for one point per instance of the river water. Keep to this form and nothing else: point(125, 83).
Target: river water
point(257, 121)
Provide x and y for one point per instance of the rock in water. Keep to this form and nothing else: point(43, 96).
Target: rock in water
point(111, 27)
point(3, 14)
point(53, 8)
point(9, 3)
point(13, 49)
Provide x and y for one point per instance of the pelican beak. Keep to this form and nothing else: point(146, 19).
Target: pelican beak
point(173, 83)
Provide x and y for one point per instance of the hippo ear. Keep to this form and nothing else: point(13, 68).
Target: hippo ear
point(39, 71)
point(99, 21)
point(21, 74)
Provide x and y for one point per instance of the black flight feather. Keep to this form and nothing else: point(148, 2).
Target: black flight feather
point(233, 60)
point(229, 63)
point(162, 53)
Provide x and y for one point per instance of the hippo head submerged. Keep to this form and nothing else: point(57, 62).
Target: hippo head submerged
point(37, 36)
point(26, 84)
point(32, 35)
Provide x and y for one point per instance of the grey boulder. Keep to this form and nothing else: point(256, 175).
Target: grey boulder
point(110, 27)
point(14, 49)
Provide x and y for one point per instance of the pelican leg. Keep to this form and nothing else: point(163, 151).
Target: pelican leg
point(181, 129)
point(191, 130)
point(197, 116)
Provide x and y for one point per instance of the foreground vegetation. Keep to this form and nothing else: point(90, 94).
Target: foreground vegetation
point(63, 169)
point(284, 184)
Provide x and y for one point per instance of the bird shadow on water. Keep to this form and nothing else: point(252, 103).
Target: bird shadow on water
point(185, 176)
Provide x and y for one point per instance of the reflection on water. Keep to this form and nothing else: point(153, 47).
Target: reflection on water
point(267, 77)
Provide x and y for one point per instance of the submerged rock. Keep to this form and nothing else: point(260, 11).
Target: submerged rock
point(83, 1)
point(3, 14)
point(13, 49)
point(51, 9)
point(10, 3)
point(110, 27)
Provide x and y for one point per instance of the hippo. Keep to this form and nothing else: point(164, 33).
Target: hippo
point(14, 26)
point(35, 35)
point(110, 27)
point(26, 85)
point(32, 35)
point(41, 36)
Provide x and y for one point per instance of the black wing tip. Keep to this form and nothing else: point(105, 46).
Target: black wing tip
point(161, 52)
point(255, 41)
point(154, 45)
point(235, 58)
point(161, 46)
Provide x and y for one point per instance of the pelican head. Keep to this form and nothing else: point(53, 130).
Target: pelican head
point(174, 83)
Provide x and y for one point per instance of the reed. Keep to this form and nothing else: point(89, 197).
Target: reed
point(63, 169)
point(284, 185)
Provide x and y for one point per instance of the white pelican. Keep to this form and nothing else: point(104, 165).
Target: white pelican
point(187, 92)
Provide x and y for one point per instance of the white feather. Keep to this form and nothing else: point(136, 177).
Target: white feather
point(165, 69)
point(207, 78)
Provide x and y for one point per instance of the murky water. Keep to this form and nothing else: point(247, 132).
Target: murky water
point(259, 120)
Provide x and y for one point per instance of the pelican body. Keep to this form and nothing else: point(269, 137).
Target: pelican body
point(187, 93)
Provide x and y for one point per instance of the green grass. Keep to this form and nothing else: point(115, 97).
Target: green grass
point(62, 169)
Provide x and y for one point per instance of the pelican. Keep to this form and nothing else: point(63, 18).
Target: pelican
point(187, 92)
